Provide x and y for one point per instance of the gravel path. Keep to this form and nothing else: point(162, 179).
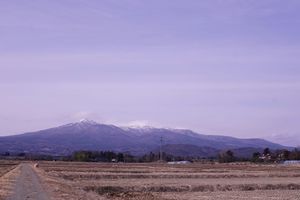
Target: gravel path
point(28, 185)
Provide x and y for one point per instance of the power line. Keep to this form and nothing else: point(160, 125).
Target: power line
point(160, 153)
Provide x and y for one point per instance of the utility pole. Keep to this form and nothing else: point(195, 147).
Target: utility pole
point(160, 153)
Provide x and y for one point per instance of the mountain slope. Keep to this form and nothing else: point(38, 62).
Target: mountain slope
point(291, 139)
point(89, 135)
point(184, 150)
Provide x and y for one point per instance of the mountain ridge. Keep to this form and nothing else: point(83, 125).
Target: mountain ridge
point(90, 135)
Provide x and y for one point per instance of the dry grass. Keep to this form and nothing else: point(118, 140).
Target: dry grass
point(110, 190)
point(6, 166)
point(8, 174)
point(162, 181)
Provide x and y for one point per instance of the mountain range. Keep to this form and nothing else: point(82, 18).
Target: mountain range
point(90, 135)
point(289, 139)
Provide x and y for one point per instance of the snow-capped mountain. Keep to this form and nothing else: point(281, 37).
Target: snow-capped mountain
point(90, 135)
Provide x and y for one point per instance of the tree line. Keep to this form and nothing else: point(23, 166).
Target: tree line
point(265, 156)
point(110, 156)
point(276, 156)
point(101, 156)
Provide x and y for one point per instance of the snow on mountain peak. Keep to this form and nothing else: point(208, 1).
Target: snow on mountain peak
point(87, 121)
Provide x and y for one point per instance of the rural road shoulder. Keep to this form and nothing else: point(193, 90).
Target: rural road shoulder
point(28, 185)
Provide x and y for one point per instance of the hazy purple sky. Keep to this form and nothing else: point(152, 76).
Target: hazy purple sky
point(227, 67)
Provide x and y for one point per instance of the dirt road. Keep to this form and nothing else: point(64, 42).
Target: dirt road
point(28, 185)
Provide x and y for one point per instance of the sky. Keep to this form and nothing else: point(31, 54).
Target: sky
point(228, 67)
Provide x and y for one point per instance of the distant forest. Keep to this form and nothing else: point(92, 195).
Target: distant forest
point(267, 156)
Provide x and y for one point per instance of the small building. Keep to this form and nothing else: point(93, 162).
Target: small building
point(266, 157)
point(291, 162)
point(184, 162)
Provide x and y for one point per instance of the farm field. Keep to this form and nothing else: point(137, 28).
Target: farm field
point(7, 177)
point(149, 181)
point(6, 166)
point(162, 181)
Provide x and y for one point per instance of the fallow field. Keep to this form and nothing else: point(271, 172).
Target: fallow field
point(7, 177)
point(71, 180)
